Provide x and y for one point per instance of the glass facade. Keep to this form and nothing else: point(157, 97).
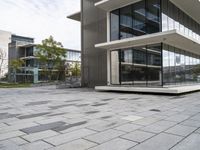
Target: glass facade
point(180, 67)
point(139, 66)
point(153, 65)
point(175, 18)
point(137, 19)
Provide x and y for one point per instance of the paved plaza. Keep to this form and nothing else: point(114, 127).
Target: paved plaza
point(82, 119)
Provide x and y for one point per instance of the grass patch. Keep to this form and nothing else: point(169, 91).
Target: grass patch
point(17, 85)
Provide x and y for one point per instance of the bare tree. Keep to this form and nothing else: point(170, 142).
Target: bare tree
point(2, 59)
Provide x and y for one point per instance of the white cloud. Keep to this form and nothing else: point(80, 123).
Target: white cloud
point(41, 18)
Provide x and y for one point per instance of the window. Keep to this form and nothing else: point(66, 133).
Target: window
point(126, 22)
point(135, 20)
point(153, 16)
point(114, 28)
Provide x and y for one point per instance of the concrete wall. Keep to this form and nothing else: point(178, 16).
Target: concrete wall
point(94, 30)
point(5, 38)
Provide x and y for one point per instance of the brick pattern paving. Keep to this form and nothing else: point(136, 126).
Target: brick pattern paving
point(45, 118)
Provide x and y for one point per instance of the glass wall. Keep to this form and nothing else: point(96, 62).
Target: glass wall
point(138, 66)
point(180, 67)
point(137, 19)
point(175, 18)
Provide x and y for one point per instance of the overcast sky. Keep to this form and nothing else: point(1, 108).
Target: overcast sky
point(41, 18)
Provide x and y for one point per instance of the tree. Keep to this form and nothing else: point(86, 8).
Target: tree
point(15, 64)
point(2, 59)
point(75, 69)
point(52, 54)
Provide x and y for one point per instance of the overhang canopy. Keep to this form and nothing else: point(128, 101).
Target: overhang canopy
point(173, 38)
point(191, 7)
point(75, 16)
point(109, 5)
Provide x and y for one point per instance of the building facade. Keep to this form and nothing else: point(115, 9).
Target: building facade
point(24, 48)
point(142, 43)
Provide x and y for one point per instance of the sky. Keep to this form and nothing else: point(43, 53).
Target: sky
point(41, 18)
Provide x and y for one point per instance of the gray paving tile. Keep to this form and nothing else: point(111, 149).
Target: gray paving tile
point(162, 141)
point(12, 134)
point(178, 118)
point(116, 144)
point(37, 103)
point(79, 144)
point(129, 127)
point(159, 126)
point(138, 136)
point(67, 137)
point(190, 143)
point(102, 137)
point(65, 127)
point(192, 123)
point(181, 130)
point(32, 115)
point(43, 127)
point(39, 145)
point(39, 135)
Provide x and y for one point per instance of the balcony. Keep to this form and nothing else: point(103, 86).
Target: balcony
point(173, 37)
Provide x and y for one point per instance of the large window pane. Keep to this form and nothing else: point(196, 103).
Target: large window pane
point(153, 16)
point(139, 18)
point(126, 22)
point(114, 28)
point(140, 55)
point(154, 76)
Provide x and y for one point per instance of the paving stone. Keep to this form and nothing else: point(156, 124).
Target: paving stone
point(192, 123)
point(190, 143)
point(79, 144)
point(116, 144)
point(146, 121)
point(39, 145)
point(102, 137)
point(9, 135)
point(162, 141)
point(138, 136)
point(32, 115)
point(181, 130)
point(196, 117)
point(159, 126)
point(197, 131)
point(43, 127)
point(40, 135)
point(104, 126)
point(9, 145)
point(2, 125)
point(19, 141)
point(37, 103)
point(132, 118)
point(17, 127)
point(65, 127)
point(64, 138)
point(178, 118)
point(128, 127)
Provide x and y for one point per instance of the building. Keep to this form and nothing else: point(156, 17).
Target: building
point(24, 48)
point(140, 43)
point(5, 38)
